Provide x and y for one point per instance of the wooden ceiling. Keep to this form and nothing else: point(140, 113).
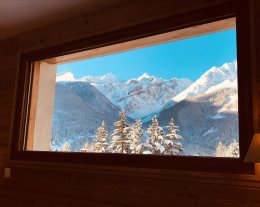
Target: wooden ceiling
point(20, 16)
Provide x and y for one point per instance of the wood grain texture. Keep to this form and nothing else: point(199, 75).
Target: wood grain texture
point(257, 7)
point(85, 189)
point(33, 106)
point(52, 187)
point(258, 60)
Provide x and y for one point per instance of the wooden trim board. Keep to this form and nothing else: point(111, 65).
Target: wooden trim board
point(185, 33)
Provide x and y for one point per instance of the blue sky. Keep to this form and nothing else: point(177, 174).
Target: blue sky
point(188, 58)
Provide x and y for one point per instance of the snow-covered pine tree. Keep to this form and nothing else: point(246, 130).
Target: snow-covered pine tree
point(120, 142)
point(233, 149)
point(135, 134)
point(221, 150)
point(52, 147)
point(65, 147)
point(84, 148)
point(230, 151)
point(154, 144)
point(171, 140)
point(101, 144)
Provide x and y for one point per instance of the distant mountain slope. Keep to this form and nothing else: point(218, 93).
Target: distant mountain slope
point(79, 109)
point(141, 96)
point(108, 78)
point(204, 120)
point(212, 77)
point(147, 95)
point(205, 111)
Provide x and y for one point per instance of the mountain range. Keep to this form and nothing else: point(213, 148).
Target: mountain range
point(133, 95)
point(205, 110)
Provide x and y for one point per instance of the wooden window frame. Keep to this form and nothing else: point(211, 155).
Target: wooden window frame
point(237, 9)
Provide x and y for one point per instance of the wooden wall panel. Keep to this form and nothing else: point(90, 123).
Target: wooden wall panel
point(83, 189)
point(80, 189)
point(257, 7)
point(55, 188)
point(258, 62)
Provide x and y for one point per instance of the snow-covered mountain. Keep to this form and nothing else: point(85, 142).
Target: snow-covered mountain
point(205, 111)
point(205, 119)
point(141, 96)
point(108, 78)
point(78, 112)
point(227, 74)
point(147, 95)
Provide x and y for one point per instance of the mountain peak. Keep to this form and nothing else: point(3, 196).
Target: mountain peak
point(104, 79)
point(211, 78)
point(68, 77)
point(108, 76)
point(144, 76)
point(225, 68)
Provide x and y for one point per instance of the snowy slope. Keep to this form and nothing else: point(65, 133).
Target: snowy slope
point(139, 97)
point(205, 111)
point(147, 95)
point(214, 76)
point(108, 78)
point(144, 95)
point(78, 112)
point(205, 119)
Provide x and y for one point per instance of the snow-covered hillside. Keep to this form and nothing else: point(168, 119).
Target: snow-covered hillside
point(144, 95)
point(108, 78)
point(79, 110)
point(140, 96)
point(147, 95)
point(205, 119)
point(223, 76)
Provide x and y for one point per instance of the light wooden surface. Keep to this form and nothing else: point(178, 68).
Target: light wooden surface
point(33, 105)
point(44, 107)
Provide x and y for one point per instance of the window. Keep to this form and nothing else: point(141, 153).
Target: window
point(104, 115)
point(133, 102)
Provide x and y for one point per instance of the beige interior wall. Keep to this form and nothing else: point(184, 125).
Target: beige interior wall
point(45, 106)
